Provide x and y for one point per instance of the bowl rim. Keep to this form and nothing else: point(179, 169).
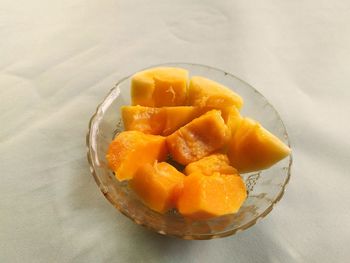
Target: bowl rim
point(194, 236)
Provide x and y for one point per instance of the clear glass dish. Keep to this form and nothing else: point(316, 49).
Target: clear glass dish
point(265, 188)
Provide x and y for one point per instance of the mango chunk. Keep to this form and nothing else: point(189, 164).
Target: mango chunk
point(176, 117)
point(204, 92)
point(254, 148)
point(204, 197)
point(145, 119)
point(158, 186)
point(132, 149)
point(211, 164)
point(233, 119)
point(161, 86)
point(199, 138)
point(158, 121)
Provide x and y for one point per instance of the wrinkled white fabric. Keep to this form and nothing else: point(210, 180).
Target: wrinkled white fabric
point(59, 58)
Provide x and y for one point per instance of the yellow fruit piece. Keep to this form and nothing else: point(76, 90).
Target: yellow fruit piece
point(199, 138)
point(145, 119)
point(233, 120)
point(204, 197)
point(211, 164)
point(254, 148)
point(207, 93)
point(158, 121)
point(132, 149)
point(158, 186)
point(176, 117)
point(161, 86)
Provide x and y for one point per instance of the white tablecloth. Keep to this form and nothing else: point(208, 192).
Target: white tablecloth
point(59, 58)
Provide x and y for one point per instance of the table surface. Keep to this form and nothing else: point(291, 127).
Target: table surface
point(59, 58)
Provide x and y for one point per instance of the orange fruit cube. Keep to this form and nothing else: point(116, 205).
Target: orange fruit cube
point(132, 149)
point(199, 138)
point(176, 117)
point(161, 86)
point(145, 119)
point(158, 121)
point(254, 148)
point(204, 197)
point(204, 92)
point(211, 164)
point(158, 186)
point(233, 119)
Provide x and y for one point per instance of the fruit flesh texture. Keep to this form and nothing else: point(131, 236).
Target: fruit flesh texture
point(158, 186)
point(209, 165)
point(158, 121)
point(199, 138)
point(176, 117)
point(233, 119)
point(145, 119)
point(161, 86)
point(132, 149)
point(253, 148)
point(204, 197)
point(204, 92)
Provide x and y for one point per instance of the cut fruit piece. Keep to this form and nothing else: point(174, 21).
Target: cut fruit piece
point(166, 120)
point(158, 121)
point(199, 138)
point(207, 93)
point(145, 119)
point(176, 117)
point(158, 186)
point(213, 163)
point(132, 149)
point(204, 197)
point(254, 148)
point(161, 86)
point(233, 120)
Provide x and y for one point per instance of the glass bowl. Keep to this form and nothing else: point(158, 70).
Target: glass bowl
point(265, 188)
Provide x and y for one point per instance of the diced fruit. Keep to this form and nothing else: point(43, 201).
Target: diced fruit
point(199, 138)
point(132, 149)
point(158, 185)
point(213, 163)
point(142, 89)
point(158, 121)
point(205, 197)
point(254, 148)
point(176, 117)
point(157, 87)
point(207, 93)
point(234, 119)
point(145, 119)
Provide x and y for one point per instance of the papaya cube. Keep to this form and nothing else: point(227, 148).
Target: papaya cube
point(132, 149)
point(204, 92)
point(254, 148)
point(211, 164)
point(204, 197)
point(158, 186)
point(233, 120)
point(161, 86)
point(142, 89)
point(199, 138)
point(145, 119)
point(158, 121)
point(176, 117)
